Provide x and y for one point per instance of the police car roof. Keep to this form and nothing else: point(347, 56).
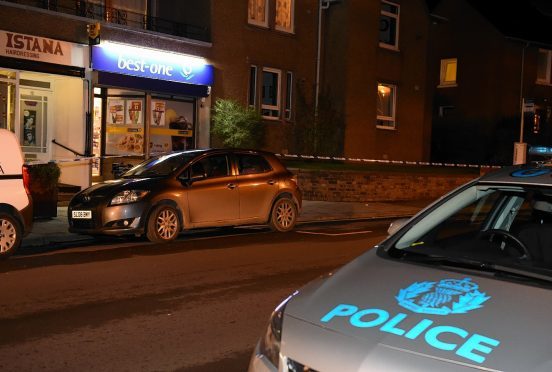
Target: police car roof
point(529, 174)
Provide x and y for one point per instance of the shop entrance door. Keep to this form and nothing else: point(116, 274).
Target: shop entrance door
point(35, 116)
point(8, 94)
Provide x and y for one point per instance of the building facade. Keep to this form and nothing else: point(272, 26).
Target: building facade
point(483, 67)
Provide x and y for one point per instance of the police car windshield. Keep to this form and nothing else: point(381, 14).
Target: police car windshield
point(488, 225)
point(159, 166)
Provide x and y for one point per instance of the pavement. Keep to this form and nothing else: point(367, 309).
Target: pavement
point(55, 230)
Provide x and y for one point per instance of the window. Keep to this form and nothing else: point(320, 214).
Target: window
point(544, 60)
point(258, 13)
point(448, 72)
point(252, 164)
point(284, 15)
point(289, 92)
point(252, 100)
point(271, 93)
point(386, 106)
point(211, 167)
point(389, 25)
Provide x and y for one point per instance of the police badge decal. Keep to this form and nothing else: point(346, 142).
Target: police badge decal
point(448, 296)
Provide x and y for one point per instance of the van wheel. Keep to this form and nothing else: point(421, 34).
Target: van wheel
point(283, 215)
point(163, 224)
point(10, 235)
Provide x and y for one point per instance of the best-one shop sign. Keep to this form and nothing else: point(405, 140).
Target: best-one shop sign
point(37, 48)
point(153, 64)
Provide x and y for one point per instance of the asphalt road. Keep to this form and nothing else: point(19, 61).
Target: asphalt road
point(198, 304)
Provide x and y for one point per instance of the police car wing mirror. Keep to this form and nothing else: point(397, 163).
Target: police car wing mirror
point(396, 225)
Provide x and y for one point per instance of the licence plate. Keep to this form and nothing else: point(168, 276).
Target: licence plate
point(82, 215)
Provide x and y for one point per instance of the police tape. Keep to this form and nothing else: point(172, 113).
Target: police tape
point(384, 161)
point(285, 156)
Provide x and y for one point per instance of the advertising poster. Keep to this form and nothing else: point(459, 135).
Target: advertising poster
point(29, 127)
point(116, 111)
point(125, 130)
point(176, 131)
point(134, 111)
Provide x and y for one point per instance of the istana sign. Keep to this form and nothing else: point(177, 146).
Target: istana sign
point(37, 48)
point(151, 63)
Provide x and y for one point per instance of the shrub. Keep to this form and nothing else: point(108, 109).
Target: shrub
point(43, 178)
point(237, 126)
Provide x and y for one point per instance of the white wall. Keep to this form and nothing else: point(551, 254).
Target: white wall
point(69, 129)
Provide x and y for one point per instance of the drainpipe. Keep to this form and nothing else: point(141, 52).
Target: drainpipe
point(520, 148)
point(323, 5)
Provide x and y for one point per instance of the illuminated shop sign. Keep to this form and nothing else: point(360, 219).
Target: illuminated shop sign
point(42, 49)
point(152, 64)
point(449, 296)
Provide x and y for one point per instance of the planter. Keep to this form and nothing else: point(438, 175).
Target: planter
point(43, 186)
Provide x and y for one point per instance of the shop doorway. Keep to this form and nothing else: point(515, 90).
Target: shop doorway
point(35, 117)
point(8, 102)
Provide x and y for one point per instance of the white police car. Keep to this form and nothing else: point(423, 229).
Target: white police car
point(466, 284)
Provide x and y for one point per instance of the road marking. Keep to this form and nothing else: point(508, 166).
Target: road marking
point(333, 234)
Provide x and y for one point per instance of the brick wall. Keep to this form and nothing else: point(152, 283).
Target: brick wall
point(364, 186)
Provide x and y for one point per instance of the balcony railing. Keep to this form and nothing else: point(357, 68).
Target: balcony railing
point(128, 18)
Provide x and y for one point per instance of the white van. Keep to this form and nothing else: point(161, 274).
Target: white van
point(16, 208)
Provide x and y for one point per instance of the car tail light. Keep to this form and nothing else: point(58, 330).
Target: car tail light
point(26, 178)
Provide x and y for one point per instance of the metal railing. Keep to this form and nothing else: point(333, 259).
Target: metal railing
point(98, 11)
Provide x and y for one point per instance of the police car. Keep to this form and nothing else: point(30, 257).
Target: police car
point(466, 284)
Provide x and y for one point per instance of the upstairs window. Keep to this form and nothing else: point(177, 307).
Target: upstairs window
point(284, 15)
point(448, 72)
point(389, 25)
point(386, 106)
point(258, 13)
point(252, 98)
point(271, 93)
point(544, 61)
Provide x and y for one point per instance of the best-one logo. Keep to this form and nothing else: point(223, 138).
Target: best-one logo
point(140, 65)
point(449, 296)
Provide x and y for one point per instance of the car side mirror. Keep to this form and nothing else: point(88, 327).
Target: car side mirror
point(187, 181)
point(396, 225)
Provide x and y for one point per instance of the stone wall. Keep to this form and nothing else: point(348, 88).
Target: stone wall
point(366, 186)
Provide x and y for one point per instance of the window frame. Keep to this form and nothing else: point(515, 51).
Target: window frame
point(442, 82)
point(252, 90)
point(391, 119)
point(278, 106)
point(255, 22)
point(548, 79)
point(290, 30)
point(397, 27)
point(288, 111)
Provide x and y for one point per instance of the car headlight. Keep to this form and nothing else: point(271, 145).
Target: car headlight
point(269, 345)
point(128, 196)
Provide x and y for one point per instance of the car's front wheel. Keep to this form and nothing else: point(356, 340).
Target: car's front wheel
point(163, 224)
point(283, 215)
point(10, 234)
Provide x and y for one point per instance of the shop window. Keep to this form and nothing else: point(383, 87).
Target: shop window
point(284, 15)
point(386, 106)
point(172, 125)
point(258, 13)
point(289, 95)
point(544, 60)
point(271, 93)
point(125, 125)
point(389, 25)
point(252, 99)
point(448, 72)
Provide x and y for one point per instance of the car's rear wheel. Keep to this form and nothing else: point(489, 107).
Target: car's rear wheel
point(163, 224)
point(283, 215)
point(10, 235)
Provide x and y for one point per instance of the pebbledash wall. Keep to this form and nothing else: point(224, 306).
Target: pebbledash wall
point(347, 186)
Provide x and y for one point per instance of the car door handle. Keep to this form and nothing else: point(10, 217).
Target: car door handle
point(271, 182)
point(231, 186)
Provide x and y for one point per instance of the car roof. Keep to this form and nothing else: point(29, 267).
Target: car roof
point(529, 174)
point(217, 150)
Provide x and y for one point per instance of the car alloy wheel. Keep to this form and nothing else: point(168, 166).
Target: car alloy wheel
point(284, 215)
point(163, 225)
point(10, 235)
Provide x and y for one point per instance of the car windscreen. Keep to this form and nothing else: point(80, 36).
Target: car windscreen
point(485, 225)
point(159, 166)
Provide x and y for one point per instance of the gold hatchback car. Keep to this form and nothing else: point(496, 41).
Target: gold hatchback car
point(184, 190)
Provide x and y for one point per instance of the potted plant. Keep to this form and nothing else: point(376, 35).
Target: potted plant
point(43, 186)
